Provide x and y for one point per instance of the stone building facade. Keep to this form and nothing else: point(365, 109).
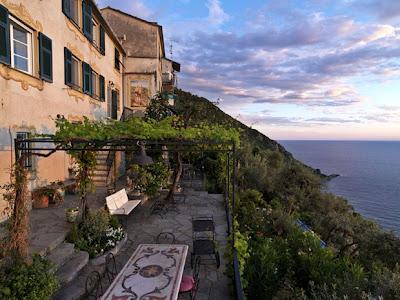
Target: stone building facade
point(146, 67)
point(57, 57)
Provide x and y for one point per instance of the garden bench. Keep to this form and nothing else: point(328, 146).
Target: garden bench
point(119, 204)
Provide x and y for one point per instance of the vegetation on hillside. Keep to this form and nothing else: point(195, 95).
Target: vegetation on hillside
point(279, 259)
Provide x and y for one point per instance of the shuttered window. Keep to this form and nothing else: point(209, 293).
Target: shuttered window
point(45, 57)
point(102, 88)
point(102, 40)
point(116, 59)
point(68, 66)
point(87, 20)
point(86, 79)
point(66, 7)
point(4, 36)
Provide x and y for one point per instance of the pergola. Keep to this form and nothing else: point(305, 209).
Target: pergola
point(48, 145)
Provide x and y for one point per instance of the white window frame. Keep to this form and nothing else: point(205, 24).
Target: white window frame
point(29, 45)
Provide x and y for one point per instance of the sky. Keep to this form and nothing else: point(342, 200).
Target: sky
point(293, 69)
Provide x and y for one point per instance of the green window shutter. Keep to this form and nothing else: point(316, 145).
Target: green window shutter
point(87, 20)
point(86, 78)
point(66, 7)
point(5, 56)
point(68, 66)
point(45, 58)
point(102, 87)
point(102, 40)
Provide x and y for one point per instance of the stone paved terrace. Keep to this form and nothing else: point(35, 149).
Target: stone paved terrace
point(142, 228)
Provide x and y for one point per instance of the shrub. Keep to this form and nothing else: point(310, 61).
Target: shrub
point(97, 234)
point(33, 282)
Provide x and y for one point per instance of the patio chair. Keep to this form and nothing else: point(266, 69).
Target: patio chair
point(93, 286)
point(190, 283)
point(165, 238)
point(110, 268)
point(204, 243)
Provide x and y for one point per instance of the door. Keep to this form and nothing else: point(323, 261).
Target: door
point(114, 104)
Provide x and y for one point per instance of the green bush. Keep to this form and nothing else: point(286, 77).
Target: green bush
point(30, 282)
point(97, 234)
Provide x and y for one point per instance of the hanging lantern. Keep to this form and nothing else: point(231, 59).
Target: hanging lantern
point(141, 158)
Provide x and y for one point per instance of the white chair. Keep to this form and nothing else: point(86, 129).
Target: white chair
point(119, 204)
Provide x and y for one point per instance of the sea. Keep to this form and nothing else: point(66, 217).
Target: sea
point(369, 174)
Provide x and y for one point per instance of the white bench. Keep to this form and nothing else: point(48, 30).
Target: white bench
point(119, 204)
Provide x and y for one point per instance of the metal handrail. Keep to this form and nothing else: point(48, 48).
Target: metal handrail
point(236, 270)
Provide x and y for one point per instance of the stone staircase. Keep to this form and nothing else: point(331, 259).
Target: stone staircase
point(100, 173)
point(67, 262)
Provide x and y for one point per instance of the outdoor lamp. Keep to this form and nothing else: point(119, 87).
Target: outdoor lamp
point(141, 158)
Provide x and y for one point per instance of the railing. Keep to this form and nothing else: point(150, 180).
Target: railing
point(236, 270)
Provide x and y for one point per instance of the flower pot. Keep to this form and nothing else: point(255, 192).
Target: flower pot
point(72, 215)
point(41, 201)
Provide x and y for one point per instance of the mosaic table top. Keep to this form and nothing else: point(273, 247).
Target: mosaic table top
point(153, 272)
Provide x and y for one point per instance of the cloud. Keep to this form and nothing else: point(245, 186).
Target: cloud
point(307, 61)
point(382, 9)
point(216, 14)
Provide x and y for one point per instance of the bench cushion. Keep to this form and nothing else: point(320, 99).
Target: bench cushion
point(126, 208)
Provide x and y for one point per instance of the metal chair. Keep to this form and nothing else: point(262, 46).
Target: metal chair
point(93, 286)
point(204, 239)
point(190, 284)
point(111, 267)
point(165, 238)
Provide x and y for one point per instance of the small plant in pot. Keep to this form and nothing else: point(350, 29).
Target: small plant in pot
point(41, 196)
point(72, 214)
point(58, 192)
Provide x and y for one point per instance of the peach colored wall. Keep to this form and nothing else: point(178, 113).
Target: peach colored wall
point(28, 103)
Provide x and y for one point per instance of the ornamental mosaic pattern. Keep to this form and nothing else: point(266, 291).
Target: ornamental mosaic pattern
point(153, 272)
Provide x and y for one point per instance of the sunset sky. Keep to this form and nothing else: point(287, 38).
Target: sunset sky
point(317, 69)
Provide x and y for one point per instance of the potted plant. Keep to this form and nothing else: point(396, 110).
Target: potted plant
point(72, 214)
point(58, 192)
point(40, 197)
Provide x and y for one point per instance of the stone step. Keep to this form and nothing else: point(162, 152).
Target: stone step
point(61, 254)
point(71, 268)
point(99, 173)
point(46, 243)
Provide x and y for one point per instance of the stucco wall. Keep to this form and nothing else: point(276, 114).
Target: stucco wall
point(30, 104)
point(141, 37)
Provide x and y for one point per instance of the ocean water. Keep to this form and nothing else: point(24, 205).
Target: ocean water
point(369, 174)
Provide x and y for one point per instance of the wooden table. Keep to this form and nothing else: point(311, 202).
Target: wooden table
point(153, 272)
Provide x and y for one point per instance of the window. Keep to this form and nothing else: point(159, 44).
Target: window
point(95, 32)
point(4, 36)
point(70, 9)
point(102, 88)
point(21, 46)
point(95, 85)
point(27, 160)
point(75, 11)
point(45, 58)
point(75, 71)
point(71, 69)
point(87, 20)
point(86, 78)
point(116, 59)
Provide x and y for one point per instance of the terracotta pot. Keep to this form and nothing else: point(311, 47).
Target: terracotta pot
point(41, 201)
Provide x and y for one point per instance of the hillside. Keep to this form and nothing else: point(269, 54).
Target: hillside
point(206, 111)
point(278, 259)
